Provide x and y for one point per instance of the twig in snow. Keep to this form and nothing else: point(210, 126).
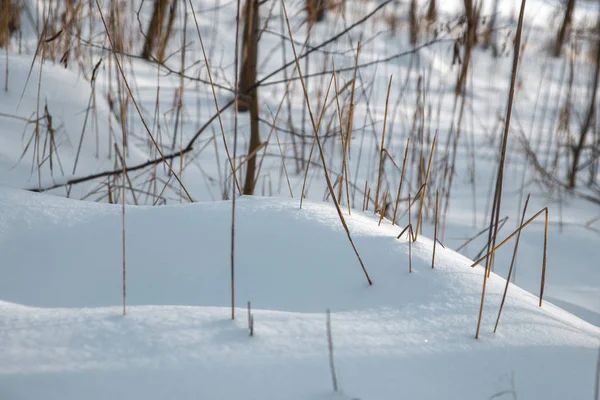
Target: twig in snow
point(330, 345)
point(493, 234)
point(250, 320)
point(512, 264)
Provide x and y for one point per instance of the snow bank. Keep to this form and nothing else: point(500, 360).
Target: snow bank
point(408, 335)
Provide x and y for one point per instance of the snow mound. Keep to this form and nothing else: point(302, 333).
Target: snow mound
point(410, 334)
point(73, 134)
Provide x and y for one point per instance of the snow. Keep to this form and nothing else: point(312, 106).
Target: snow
point(410, 334)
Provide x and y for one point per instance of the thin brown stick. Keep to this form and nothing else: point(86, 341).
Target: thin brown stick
point(312, 148)
point(350, 122)
point(597, 388)
point(491, 252)
point(287, 177)
point(410, 237)
point(122, 161)
point(124, 242)
point(380, 172)
point(512, 264)
point(481, 232)
point(420, 218)
point(544, 258)
point(233, 170)
point(435, 230)
point(498, 193)
point(214, 93)
point(365, 196)
point(402, 233)
point(344, 172)
point(108, 35)
point(382, 211)
point(401, 181)
point(321, 152)
point(250, 320)
point(543, 280)
point(330, 347)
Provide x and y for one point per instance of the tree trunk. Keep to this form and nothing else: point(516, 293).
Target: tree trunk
point(470, 39)
point(490, 35)
point(250, 95)
point(414, 23)
point(316, 10)
point(564, 28)
point(587, 122)
point(10, 20)
point(158, 34)
point(432, 12)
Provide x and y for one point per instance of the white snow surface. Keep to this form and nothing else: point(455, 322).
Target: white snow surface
point(410, 335)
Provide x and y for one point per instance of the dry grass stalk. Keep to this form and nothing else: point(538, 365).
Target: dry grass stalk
point(109, 192)
point(330, 347)
point(544, 259)
point(435, 230)
point(597, 388)
point(350, 121)
point(250, 320)
point(512, 264)
point(381, 149)
point(481, 232)
point(216, 101)
point(401, 181)
point(498, 192)
point(312, 148)
point(321, 151)
point(233, 193)
point(382, 210)
point(344, 173)
point(368, 198)
point(410, 236)
point(122, 161)
point(154, 142)
point(124, 243)
point(420, 218)
point(365, 197)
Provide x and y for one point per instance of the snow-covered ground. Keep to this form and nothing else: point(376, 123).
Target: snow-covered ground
point(408, 335)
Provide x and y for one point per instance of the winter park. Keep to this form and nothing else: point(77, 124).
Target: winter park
point(299, 199)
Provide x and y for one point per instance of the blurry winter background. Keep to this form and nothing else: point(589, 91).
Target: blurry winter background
point(379, 115)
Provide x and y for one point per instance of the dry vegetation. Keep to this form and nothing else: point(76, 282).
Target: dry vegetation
point(328, 110)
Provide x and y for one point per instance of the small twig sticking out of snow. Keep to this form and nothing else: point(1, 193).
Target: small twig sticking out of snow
point(382, 211)
point(424, 187)
point(410, 240)
point(410, 237)
point(495, 215)
point(597, 390)
point(435, 230)
point(330, 345)
point(481, 232)
point(544, 258)
point(233, 169)
point(401, 181)
point(382, 149)
point(123, 195)
point(512, 264)
point(250, 320)
point(312, 148)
